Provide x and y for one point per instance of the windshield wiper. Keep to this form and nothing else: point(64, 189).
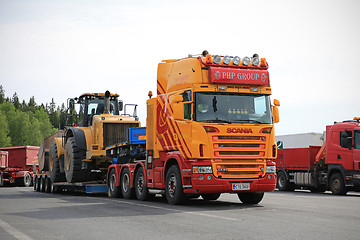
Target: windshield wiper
point(249, 121)
point(216, 121)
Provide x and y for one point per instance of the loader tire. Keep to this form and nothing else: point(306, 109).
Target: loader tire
point(73, 162)
point(54, 165)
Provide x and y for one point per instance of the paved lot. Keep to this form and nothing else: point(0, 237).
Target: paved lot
point(25, 214)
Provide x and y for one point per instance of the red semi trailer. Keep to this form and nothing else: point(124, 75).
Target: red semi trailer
point(16, 165)
point(334, 166)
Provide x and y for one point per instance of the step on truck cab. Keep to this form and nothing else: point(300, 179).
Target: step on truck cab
point(209, 130)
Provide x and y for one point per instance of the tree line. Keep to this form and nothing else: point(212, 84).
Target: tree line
point(27, 123)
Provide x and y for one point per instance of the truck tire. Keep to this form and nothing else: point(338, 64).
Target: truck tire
point(173, 186)
point(1, 181)
point(141, 190)
point(114, 191)
point(47, 185)
point(42, 184)
point(126, 191)
point(54, 165)
point(283, 183)
point(73, 162)
point(211, 196)
point(337, 184)
point(27, 179)
point(251, 197)
point(37, 182)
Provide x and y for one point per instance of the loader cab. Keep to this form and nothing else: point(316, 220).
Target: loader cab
point(81, 110)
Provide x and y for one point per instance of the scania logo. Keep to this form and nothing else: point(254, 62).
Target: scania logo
point(239, 130)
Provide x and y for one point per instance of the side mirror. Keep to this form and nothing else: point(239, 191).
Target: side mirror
point(275, 112)
point(121, 105)
point(276, 102)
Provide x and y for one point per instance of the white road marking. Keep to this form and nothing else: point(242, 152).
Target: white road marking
point(13, 231)
point(174, 210)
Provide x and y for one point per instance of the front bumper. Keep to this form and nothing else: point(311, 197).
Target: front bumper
point(207, 183)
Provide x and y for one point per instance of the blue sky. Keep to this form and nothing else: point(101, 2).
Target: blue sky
point(60, 49)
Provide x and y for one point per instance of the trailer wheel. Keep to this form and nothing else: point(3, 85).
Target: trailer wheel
point(173, 186)
point(114, 191)
point(211, 196)
point(47, 185)
point(54, 165)
point(337, 184)
point(73, 162)
point(141, 190)
point(27, 179)
point(42, 184)
point(251, 197)
point(126, 191)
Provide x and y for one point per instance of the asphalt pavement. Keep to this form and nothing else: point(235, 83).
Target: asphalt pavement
point(26, 214)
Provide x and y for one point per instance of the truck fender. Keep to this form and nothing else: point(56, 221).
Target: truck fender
point(79, 136)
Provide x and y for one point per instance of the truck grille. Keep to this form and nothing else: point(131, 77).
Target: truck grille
point(115, 133)
point(228, 149)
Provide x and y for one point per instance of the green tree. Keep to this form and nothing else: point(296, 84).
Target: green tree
point(5, 140)
point(2, 95)
point(15, 101)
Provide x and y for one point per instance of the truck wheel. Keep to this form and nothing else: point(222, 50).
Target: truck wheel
point(211, 196)
point(173, 186)
point(141, 190)
point(126, 191)
point(27, 179)
point(34, 182)
point(54, 165)
point(73, 162)
point(114, 191)
point(283, 183)
point(250, 197)
point(337, 184)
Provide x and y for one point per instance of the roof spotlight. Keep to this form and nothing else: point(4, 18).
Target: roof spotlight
point(217, 59)
point(246, 61)
point(255, 61)
point(227, 60)
point(236, 60)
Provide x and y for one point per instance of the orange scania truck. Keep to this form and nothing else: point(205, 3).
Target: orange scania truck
point(209, 130)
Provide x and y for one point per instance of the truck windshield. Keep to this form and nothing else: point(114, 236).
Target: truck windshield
point(357, 140)
point(232, 108)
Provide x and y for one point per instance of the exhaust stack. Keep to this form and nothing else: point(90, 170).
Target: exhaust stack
point(107, 103)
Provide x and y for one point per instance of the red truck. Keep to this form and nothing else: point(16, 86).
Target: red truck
point(16, 165)
point(335, 166)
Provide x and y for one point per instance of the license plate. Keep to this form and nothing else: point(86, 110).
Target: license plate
point(240, 186)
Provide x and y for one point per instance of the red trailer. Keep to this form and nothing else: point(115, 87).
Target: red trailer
point(16, 165)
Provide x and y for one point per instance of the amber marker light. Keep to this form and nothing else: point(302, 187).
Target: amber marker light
point(209, 59)
point(211, 129)
point(150, 94)
point(263, 62)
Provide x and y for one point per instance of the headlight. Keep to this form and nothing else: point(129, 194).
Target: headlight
point(236, 60)
point(227, 60)
point(270, 169)
point(246, 61)
point(217, 59)
point(202, 169)
point(255, 61)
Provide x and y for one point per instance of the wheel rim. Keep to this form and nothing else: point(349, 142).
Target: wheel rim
point(336, 184)
point(27, 179)
point(112, 182)
point(281, 181)
point(140, 183)
point(172, 185)
point(125, 182)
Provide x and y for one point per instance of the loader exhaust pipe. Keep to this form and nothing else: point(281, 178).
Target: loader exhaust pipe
point(107, 103)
